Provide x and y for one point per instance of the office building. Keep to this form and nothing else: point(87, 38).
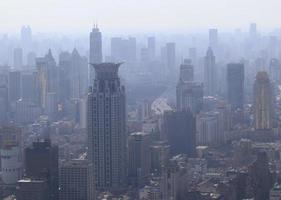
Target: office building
point(179, 127)
point(18, 59)
point(95, 50)
point(48, 77)
point(275, 70)
point(210, 73)
point(139, 158)
point(123, 50)
point(11, 155)
point(41, 163)
point(107, 128)
point(14, 86)
point(235, 85)
point(28, 189)
point(263, 112)
point(213, 38)
point(76, 180)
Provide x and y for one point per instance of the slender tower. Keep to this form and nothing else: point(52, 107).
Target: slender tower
point(209, 73)
point(262, 102)
point(95, 51)
point(107, 127)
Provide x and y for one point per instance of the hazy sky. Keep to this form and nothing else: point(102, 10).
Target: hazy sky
point(137, 15)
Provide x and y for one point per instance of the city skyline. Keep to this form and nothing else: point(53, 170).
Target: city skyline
point(145, 16)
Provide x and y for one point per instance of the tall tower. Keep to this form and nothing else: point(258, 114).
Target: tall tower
point(235, 85)
point(41, 163)
point(107, 128)
point(209, 73)
point(213, 38)
point(95, 50)
point(262, 102)
point(189, 93)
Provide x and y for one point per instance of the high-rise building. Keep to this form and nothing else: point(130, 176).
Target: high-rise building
point(123, 50)
point(160, 154)
point(41, 163)
point(4, 104)
point(29, 86)
point(213, 38)
point(209, 129)
point(78, 75)
point(192, 52)
point(186, 71)
point(275, 70)
point(189, 93)
point(28, 189)
point(139, 157)
point(235, 85)
point(107, 127)
point(26, 38)
point(14, 86)
point(151, 45)
point(179, 127)
point(171, 56)
point(95, 51)
point(210, 73)
point(76, 180)
point(11, 154)
point(253, 30)
point(18, 58)
point(262, 101)
point(48, 77)
point(31, 60)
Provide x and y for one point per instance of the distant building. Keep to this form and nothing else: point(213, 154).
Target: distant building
point(275, 70)
point(76, 181)
point(210, 73)
point(107, 128)
point(41, 163)
point(213, 38)
point(28, 189)
point(263, 112)
point(209, 127)
point(14, 86)
point(179, 127)
point(11, 154)
point(95, 51)
point(123, 50)
point(139, 157)
point(48, 77)
point(160, 154)
point(235, 85)
point(18, 58)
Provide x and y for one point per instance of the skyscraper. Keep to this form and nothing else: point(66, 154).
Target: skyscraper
point(107, 127)
point(41, 163)
point(275, 70)
point(189, 93)
point(48, 77)
point(262, 102)
point(235, 85)
point(76, 180)
point(213, 38)
point(151, 45)
point(179, 127)
point(139, 157)
point(171, 56)
point(209, 73)
point(95, 50)
point(14, 86)
point(18, 58)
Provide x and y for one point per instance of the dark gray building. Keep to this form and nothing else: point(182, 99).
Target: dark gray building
point(235, 85)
